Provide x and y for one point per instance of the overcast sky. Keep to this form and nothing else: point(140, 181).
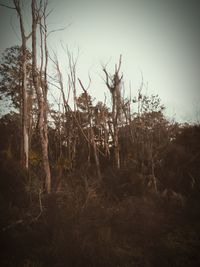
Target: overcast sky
point(158, 38)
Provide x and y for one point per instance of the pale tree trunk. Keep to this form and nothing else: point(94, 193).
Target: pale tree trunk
point(72, 83)
point(45, 104)
point(105, 117)
point(115, 117)
point(42, 101)
point(69, 115)
point(25, 118)
point(24, 109)
point(113, 84)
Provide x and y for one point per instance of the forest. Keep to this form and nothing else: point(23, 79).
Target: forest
point(88, 183)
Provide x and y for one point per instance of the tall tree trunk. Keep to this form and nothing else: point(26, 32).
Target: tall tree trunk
point(41, 97)
point(115, 118)
point(24, 109)
point(113, 85)
point(25, 115)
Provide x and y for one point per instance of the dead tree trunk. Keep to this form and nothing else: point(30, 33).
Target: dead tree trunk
point(42, 101)
point(24, 95)
point(113, 84)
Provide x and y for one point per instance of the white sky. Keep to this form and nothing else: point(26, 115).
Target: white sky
point(160, 38)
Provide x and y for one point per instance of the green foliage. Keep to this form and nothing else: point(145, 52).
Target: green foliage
point(11, 74)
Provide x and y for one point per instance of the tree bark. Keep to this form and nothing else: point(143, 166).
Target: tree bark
point(24, 109)
point(41, 97)
point(113, 85)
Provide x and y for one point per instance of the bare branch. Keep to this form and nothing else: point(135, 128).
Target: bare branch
point(58, 30)
point(49, 13)
point(53, 84)
point(69, 88)
point(28, 36)
point(9, 7)
point(89, 81)
point(107, 79)
point(120, 62)
point(85, 91)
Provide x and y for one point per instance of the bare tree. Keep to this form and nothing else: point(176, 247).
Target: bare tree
point(114, 85)
point(25, 142)
point(71, 117)
point(40, 85)
point(25, 116)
